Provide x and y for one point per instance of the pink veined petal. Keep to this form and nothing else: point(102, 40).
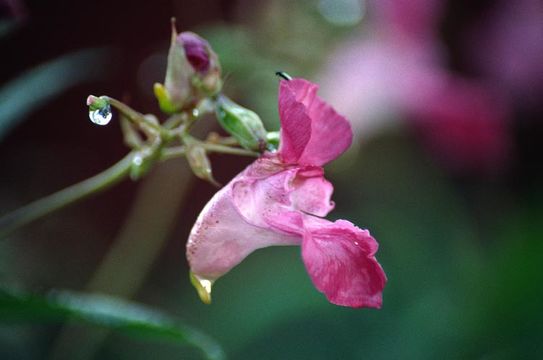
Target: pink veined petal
point(312, 193)
point(266, 202)
point(263, 199)
point(295, 125)
point(221, 238)
point(339, 258)
point(330, 133)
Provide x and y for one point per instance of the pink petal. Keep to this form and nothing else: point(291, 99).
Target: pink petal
point(268, 196)
point(260, 199)
point(313, 133)
point(312, 193)
point(295, 125)
point(340, 260)
point(221, 238)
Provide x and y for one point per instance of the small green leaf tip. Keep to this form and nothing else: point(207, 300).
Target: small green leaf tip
point(203, 287)
point(97, 103)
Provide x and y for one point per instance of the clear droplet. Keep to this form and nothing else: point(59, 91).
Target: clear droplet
point(195, 112)
point(101, 116)
point(137, 159)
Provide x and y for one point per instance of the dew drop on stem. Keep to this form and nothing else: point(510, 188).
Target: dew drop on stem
point(101, 116)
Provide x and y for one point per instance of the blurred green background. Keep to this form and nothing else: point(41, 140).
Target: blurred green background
point(447, 178)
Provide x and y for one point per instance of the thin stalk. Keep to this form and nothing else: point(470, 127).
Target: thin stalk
point(65, 197)
point(217, 148)
point(135, 116)
point(172, 152)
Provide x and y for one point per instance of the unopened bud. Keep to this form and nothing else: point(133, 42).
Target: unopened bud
point(243, 124)
point(204, 62)
point(193, 72)
point(199, 162)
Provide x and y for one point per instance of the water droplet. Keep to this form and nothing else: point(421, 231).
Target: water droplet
point(137, 159)
point(195, 112)
point(101, 116)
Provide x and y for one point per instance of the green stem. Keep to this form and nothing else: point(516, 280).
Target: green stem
point(65, 197)
point(134, 116)
point(172, 152)
point(217, 148)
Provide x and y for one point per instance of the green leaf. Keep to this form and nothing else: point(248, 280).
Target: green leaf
point(104, 311)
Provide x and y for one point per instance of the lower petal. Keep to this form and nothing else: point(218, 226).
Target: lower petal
point(221, 238)
point(339, 258)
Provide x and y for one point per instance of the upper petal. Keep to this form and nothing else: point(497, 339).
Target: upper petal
point(312, 132)
point(295, 125)
point(340, 260)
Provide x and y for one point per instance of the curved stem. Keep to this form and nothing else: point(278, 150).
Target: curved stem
point(134, 116)
point(67, 196)
point(95, 184)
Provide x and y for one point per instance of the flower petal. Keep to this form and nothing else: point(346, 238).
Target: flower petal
point(324, 138)
point(221, 238)
point(312, 193)
point(295, 125)
point(340, 260)
point(265, 202)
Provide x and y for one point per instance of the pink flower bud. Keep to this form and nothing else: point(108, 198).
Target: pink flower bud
point(197, 50)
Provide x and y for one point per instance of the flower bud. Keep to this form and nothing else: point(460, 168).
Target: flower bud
point(243, 124)
point(176, 91)
point(199, 162)
point(204, 62)
point(193, 72)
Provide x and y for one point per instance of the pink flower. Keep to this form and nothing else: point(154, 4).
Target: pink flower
point(395, 70)
point(281, 199)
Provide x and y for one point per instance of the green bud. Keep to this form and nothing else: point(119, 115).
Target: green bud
point(243, 124)
point(193, 72)
point(199, 162)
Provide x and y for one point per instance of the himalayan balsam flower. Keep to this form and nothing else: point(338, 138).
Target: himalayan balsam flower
point(281, 199)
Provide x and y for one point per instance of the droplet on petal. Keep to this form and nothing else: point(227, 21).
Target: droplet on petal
point(203, 286)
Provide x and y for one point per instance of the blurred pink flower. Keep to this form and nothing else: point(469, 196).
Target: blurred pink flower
point(395, 71)
point(281, 198)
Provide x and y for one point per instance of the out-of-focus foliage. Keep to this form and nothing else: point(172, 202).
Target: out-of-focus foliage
point(103, 311)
